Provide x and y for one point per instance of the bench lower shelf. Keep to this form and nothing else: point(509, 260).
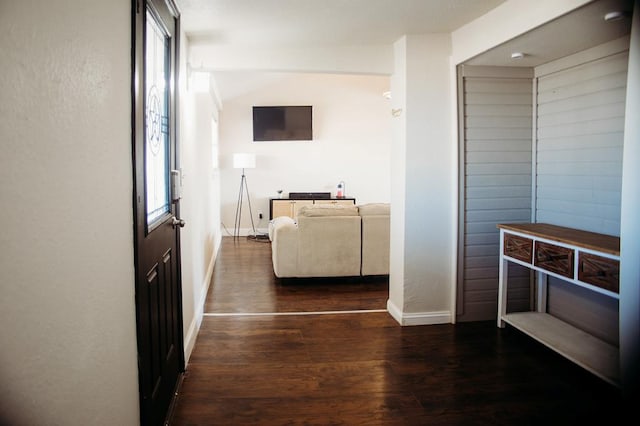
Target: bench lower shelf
point(591, 353)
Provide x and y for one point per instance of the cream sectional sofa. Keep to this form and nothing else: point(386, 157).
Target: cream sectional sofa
point(331, 241)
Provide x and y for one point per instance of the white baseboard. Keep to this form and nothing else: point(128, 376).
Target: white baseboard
point(418, 318)
point(196, 321)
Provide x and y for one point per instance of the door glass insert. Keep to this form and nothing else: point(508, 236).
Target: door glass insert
point(156, 120)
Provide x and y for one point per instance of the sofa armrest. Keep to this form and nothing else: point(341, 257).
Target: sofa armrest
point(375, 245)
point(284, 246)
point(275, 222)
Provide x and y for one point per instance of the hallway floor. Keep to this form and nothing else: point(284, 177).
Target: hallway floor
point(264, 356)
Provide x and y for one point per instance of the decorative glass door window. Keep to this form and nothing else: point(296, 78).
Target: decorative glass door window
point(156, 121)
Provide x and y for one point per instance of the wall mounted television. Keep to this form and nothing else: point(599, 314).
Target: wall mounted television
point(282, 123)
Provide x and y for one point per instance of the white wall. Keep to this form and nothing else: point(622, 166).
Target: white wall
point(395, 303)
point(68, 351)
point(200, 203)
point(422, 85)
point(352, 141)
point(368, 59)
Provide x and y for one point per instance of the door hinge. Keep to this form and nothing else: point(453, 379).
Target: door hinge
point(137, 6)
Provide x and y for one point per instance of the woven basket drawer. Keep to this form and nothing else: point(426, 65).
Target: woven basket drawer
point(599, 271)
point(554, 258)
point(520, 248)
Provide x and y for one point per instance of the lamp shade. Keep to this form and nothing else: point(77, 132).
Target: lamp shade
point(244, 161)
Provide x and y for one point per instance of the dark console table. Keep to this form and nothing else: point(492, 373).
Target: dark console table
point(289, 206)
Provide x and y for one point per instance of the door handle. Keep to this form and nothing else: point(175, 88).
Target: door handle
point(177, 222)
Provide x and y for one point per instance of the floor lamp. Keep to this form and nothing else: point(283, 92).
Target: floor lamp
point(243, 161)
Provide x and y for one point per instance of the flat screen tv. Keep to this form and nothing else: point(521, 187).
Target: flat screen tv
point(282, 123)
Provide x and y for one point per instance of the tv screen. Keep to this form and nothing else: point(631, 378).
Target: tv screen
point(282, 123)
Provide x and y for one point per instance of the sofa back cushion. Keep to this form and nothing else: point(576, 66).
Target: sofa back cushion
point(374, 209)
point(329, 246)
point(323, 210)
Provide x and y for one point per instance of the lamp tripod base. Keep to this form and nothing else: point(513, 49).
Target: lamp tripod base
point(244, 189)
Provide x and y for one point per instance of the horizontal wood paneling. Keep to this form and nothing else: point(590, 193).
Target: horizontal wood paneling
point(584, 309)
point(481, 261)
point(596, 183)
point(484, 193)
point(497, 168)
point(587, 127)
point(488, 110)
point(506, 133)
point(498, 99)
point(492, 158)
point(491, 122)
point(580, 194)
point(579, 145)
point(498, 180)
point(487, 204)
point(498, 216)
point(585, 101)
point(586, 113)
point(568, 88)
point(589, 71)
point(497, 186)
point(580, 119)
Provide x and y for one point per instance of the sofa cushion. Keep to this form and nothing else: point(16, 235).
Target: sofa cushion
point(320, 210)
point(374, 209)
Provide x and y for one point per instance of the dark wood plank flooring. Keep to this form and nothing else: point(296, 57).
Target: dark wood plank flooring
point(243, 281)
point(363, 368)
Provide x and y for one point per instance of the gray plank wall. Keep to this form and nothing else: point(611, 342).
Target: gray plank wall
point(580, 124)
point(579, 141)
point(495, 184)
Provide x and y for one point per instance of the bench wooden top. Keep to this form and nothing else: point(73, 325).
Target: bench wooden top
point(584, 239)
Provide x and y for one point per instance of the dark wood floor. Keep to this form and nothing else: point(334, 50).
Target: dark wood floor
point(243, 281)
point(363, 368)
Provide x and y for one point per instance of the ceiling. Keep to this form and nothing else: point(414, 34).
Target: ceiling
point(274, 24)
point(322, 23)
point(579, 30)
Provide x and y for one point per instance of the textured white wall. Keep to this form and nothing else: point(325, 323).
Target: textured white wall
point(68, 351)
point(352, 141)
point(422, 83)
point(398, 180)
point(429, 242)
point(199, 207)
point(376, 59)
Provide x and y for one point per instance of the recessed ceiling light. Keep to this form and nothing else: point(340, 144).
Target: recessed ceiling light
point(517, 55)
point(615, 16)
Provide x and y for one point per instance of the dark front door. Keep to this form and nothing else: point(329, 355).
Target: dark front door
point(156, 207)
